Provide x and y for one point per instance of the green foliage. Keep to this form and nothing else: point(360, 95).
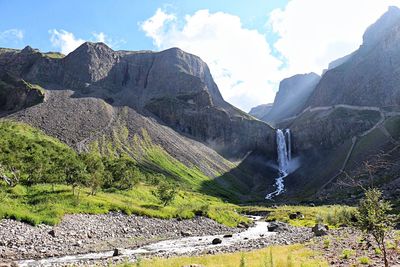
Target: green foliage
point(347, 253)
point(36, 157)
point(364, 260)
point(327, 242)
point(332, 215)
point(242, 261)
point(166, 192)
point(121, 173)
point(374, 217)
point(41, 204)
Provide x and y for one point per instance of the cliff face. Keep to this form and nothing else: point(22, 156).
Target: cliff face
point(371, 76)
point(17, 94)
point(292, 96)
point(173, 86)
point(261, 110)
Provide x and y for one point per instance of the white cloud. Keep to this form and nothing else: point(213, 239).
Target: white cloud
point(66, 42)
point(240, 59)
point(154, 26)
point(313, 33)
point(11, 35)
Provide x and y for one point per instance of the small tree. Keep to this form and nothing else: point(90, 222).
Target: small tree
point(166, 192)
point(75, 173)
point(374, 218)
point(95, 169)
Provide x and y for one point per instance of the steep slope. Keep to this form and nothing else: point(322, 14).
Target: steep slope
point(106, 100)
point(261, 110)
point(371, 76)
point(171, 85)
point(350, 119)
point(292, 96)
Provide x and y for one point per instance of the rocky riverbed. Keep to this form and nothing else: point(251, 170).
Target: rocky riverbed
point(95, 237)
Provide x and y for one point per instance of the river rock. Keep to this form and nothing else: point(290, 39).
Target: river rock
point(52, 233)
point(216, 241)
point(227, 236)
point(186, 233)
point(320, 230)
point(116, 252)
point(296, 215)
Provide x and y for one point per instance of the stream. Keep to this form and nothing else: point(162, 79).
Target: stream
point(180, 246)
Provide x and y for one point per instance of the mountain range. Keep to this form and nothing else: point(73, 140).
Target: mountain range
point(117, 102)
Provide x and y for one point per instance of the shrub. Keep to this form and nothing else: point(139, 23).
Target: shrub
point(364, 260)
point(346, 254)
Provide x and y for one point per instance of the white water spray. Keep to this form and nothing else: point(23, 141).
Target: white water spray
point(284, 156)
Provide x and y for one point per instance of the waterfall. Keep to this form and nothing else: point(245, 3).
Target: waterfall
point(289, 144)
point(284, 150)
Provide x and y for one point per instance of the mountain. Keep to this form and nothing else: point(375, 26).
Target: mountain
point(352, 116)
point(371, 76)
point(260, 110)
point(117, 102)
point(291, 97)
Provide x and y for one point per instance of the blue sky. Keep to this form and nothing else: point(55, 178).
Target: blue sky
point(119, 19)
point(249, 45)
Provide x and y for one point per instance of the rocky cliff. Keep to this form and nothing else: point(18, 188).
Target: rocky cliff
point(173, 86)
point(16, 94)
point(371, 76)
point(292, 96)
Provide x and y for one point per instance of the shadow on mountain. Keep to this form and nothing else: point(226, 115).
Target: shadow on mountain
point(248, 182)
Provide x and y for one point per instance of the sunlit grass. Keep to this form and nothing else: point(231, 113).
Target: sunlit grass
point(282, 256)
point(332, 215)
point(40, 204)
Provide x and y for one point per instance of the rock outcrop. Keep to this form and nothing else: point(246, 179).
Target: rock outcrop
point(16, 94)
point(371, 76)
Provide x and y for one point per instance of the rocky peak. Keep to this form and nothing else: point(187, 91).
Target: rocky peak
point(381, 27)
point(28, 50)
point(89, 63)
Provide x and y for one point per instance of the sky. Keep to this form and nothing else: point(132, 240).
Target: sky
point(250, 46)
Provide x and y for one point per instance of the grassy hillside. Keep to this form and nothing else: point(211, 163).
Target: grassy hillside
point(41, 171)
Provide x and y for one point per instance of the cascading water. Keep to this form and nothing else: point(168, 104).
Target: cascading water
point(284, 156)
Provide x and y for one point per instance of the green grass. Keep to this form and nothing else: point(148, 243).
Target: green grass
point(364, 260)
point(55, 55)
point(332, 215)
point(41, 159)
point(280, 256)
point(346, 254)
point(40, 204)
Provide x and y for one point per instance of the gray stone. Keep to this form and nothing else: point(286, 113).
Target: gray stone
point(216, 241)
point(320, 229)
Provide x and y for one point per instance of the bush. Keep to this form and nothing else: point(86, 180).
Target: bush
point(165, 192)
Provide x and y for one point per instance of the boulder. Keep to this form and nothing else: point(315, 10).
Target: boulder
point(276, 227)
point(186, 233)
point(216, 241)
point(116, 252)
point(52, 233)
point(227, 236)
point(319, 229)
point(296, 215)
